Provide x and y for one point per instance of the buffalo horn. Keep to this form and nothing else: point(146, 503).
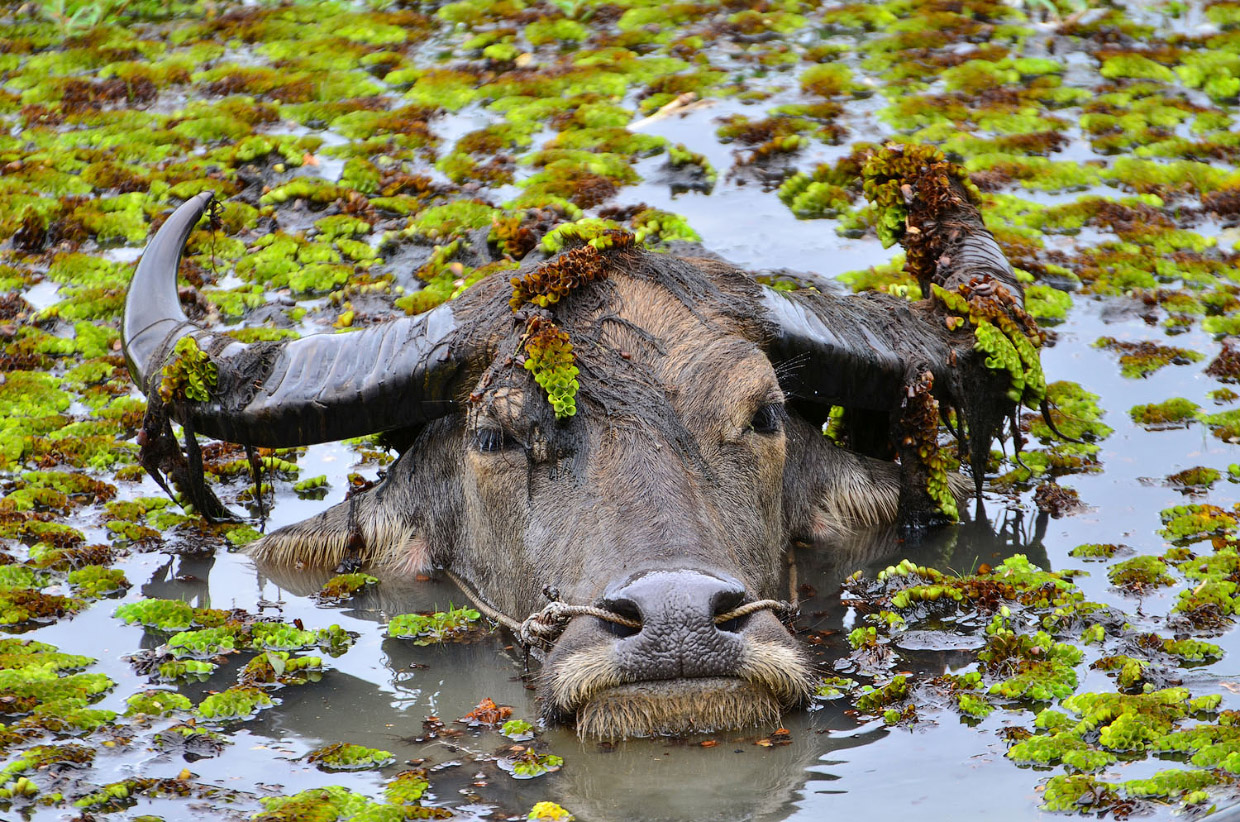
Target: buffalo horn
point(319, 388)
point(855, 353)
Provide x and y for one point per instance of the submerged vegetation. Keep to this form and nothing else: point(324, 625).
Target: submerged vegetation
point(376, 159)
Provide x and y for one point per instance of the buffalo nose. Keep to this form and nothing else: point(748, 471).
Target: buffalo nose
point(679, 635)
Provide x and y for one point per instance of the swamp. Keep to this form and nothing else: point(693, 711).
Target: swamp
point(1071, 652)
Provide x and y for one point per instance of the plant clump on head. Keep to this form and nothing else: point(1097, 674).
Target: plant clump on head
point(909, 186)
point(189, 375)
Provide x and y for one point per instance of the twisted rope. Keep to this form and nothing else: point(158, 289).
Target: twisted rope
point(544, 626)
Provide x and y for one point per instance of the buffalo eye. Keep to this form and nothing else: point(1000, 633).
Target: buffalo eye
point(769, 419)
point(490, 440)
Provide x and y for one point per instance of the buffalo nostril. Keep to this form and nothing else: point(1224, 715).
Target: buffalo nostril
point(626, 610)
point(722, 604)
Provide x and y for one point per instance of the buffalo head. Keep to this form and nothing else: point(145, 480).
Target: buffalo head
point(659, 510)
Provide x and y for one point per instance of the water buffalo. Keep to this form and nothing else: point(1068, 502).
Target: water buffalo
point(662, 509)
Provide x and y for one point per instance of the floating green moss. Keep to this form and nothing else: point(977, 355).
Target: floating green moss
point(185, 669)
point(1134, 722)
point(1194, 479)
point(1130, 672)
point(518, 730)
point(1094, 551)
point(1016, 579)
point(1140, 359)
point(346, 757)
point(168, 614)
point(1040, 669)
point(203, 643)
point(157, 703)
point(326, 804)
point(345, 586)
point(1139, 573)
point(235, 703)
point(1172, 413)
point(94, 581)
point(873, 700)
point(1046, 304)
point(280, 668)
point(529, 764)
point(1072, 793)
point(549, 812)
point(1186, 524)
point(441, 626)
point(407, 788)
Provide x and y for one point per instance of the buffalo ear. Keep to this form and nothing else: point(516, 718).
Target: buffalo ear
point(831, 492)
point(362, 529)
point(375, 527)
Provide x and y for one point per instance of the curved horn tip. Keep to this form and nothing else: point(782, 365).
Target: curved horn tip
point(152, 306)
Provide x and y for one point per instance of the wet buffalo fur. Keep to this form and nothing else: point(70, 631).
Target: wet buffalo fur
point(684, 453)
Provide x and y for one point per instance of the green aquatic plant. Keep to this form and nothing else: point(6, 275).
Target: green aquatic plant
point(185, 669)
point(345, 586)
point(549, 812)
point(1015, 580)
point(238, 702)
point(1186, 524)
point(95, 581)
point(549, 357)
point(1130, 672)
point(1046, 304)
point(157, 703)
point(277, 636)
point(1140, 359)
point(1192, 650)
point(407, 788)
point(26, 689)
point(871, 700)
point(834, 687)
point(168, 614)
point(1070, 793)
point(1134, 722)
point(1036, 667)
point(441, 626)
point(1173, 413)
point(189, 375)
point(1139, 573)
point(934, 181)
point(1064, 747)
point(1194, 479)
point(310, 484)
point(681, 158)
point(1095, 551)
point(529, 764)
point(346, 757)
point(518, 730)
point(325, 804)
point(1006, 334)
point(280, 668)
point(813, 199)
point(204, 643)
point(653, 227)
